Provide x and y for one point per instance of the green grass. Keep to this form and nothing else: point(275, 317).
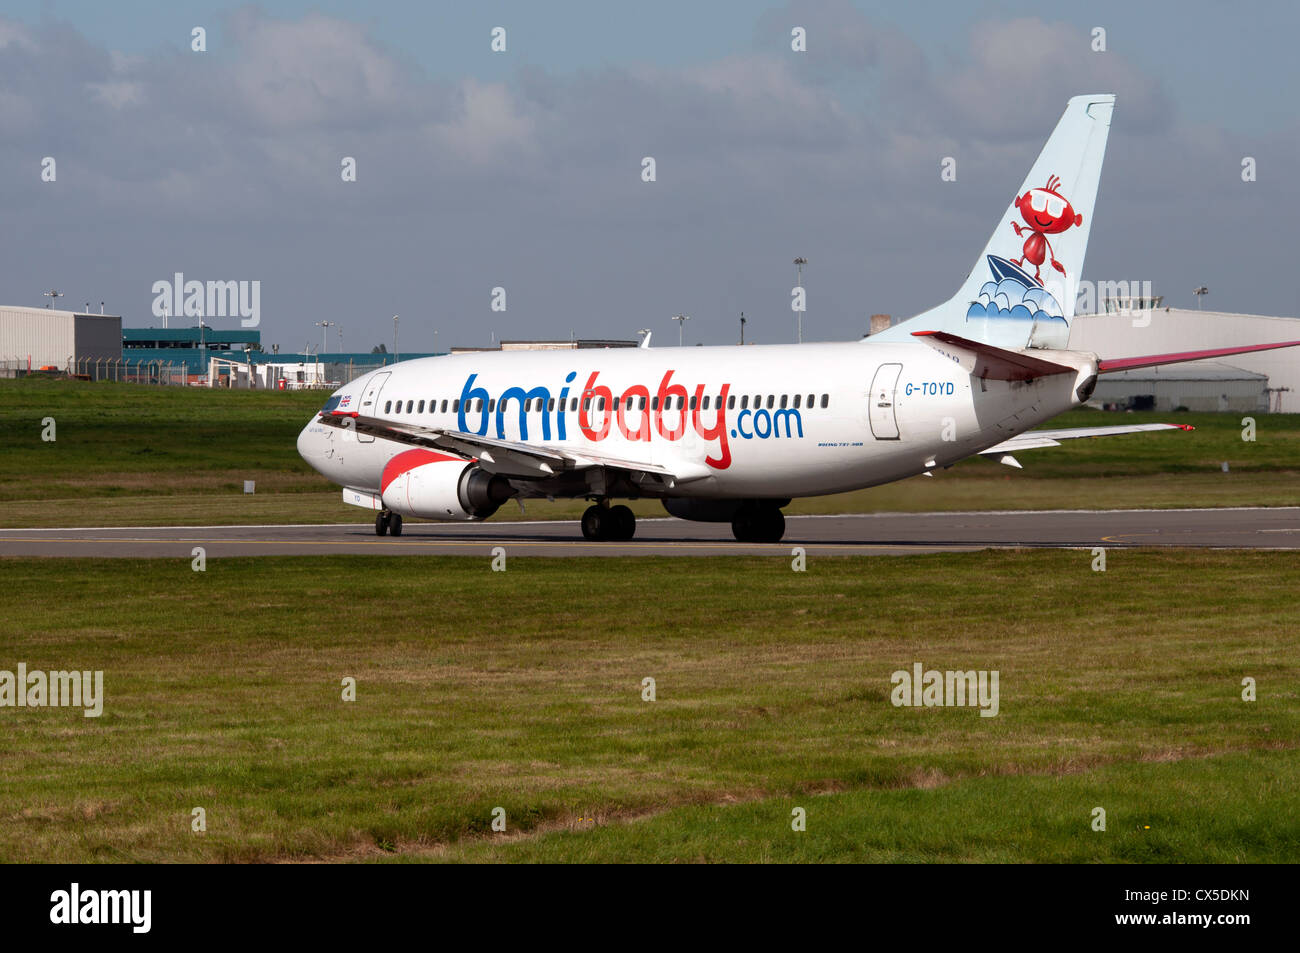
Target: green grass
point(134, 455)
point(523, 690)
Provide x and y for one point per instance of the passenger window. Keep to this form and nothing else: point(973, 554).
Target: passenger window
point(692, 402)
point(455, 405)
point(731, 402)
point(420, 409)
point(444, 406)
point(388, 405)
point(706, 401)
point(796, 401)
point(586, 403)
point(642, 403)
point(573, 403)
point(812, 401)
point(550, 404)
point(770, 401)
point(783, 400)
point(679, 403)
point(744, 402)
point(600, 403)
point(826, 399)
point(654, 402)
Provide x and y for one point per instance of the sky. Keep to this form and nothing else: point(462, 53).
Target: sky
point(522, 169)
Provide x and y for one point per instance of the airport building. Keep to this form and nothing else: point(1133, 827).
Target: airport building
point(32, 338)
point(1196, 385)
point(200, 350)
point(189, 346)
point(1268, 380)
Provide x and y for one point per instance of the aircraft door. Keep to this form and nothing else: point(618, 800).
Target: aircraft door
point(370, 406)
point(884, 424)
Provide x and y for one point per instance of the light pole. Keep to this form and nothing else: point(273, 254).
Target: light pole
point(681, 320)
point(1202, 290)
point(203, 351)
point(798, 282)
point(396, 352)
point(52, 294)
point(324, 330)
point(742, 327)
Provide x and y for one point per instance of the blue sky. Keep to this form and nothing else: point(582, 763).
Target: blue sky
point(479, 169)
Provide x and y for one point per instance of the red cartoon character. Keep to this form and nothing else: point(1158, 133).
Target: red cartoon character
point(1046, 212)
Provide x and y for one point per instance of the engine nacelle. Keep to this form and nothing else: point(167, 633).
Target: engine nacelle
point(438, 486)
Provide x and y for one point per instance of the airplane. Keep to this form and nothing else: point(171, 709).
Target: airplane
point(733, 434)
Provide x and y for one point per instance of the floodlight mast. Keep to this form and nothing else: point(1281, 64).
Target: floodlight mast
point(681, 320)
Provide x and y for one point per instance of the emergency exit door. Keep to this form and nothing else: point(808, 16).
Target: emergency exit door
point(884, 424)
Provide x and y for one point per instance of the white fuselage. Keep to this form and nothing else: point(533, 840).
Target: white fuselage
point(795, 420)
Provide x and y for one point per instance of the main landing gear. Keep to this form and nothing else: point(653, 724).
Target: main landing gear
point(758, 523)
point(388, 522)
point(605, 522)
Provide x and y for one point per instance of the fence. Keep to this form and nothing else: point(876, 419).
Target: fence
point(134, 372)
point(102, 369)
point(344, 371)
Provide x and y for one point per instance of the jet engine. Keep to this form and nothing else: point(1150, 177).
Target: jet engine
point(438, 486)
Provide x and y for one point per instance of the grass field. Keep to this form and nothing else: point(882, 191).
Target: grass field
point(132, 455)
point(478, 689)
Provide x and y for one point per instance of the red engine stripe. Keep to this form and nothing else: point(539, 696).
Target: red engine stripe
point(408, 460)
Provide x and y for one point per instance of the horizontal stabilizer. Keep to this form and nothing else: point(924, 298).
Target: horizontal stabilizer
point(1115, 364)
point(991, 363)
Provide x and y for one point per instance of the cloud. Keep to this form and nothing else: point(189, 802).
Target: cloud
point(231, 159)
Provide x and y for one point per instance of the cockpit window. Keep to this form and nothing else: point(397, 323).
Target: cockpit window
point(331, 404)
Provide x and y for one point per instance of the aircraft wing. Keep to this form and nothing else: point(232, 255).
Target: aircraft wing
point(508, 457)
point(1033, 439)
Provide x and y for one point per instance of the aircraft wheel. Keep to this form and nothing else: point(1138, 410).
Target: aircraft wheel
point(381, 524)
point(623, 523)
point(395, 524)
point(758, 524)
point(771, 526)
point(595, 522)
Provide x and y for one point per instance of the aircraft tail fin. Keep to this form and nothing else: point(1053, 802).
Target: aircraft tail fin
point(1022, 290)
